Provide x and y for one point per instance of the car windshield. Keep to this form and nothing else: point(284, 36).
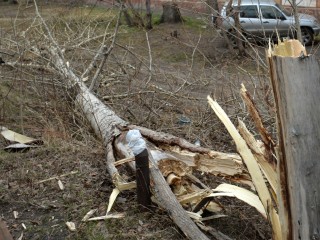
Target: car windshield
point(286, 12)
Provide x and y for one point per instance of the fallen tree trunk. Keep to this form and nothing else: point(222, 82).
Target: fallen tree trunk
point(107, 125)
point(173, 158)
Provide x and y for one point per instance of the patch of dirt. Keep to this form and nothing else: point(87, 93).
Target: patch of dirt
point(153, 80)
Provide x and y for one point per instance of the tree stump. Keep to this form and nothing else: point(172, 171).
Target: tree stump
point(298, 116)
point(171, 13)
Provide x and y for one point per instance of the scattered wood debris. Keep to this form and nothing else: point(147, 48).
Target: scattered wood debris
point(17, 137)
point(24, 226)
point(57, 177)
point(71, 226)
point(17, 141)
point(108, 216)
point(88, 215)
point(15, 214)
point(61, 186)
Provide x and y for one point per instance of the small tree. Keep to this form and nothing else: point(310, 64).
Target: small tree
point(148, 15)
point(133, 17)
point(296, 18)
point(234, 13)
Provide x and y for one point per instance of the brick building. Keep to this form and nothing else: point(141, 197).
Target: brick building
point(195, 6)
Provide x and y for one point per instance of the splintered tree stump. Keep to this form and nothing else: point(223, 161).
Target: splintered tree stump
point(296, 87)
point(171, 13)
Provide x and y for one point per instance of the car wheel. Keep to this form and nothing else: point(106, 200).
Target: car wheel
point(307, 36)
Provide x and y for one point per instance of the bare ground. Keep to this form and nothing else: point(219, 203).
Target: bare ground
point(184, 71)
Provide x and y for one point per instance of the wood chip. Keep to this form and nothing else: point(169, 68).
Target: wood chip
point(112, 199)
point(21, 236)
point(71, 226)
point(61, 186)
point(88, 215)
point(15, 214)
point(24, 226)
point(17, 137)
point(57, 177)
point(109, 216)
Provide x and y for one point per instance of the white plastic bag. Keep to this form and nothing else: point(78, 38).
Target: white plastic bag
point(135, 141)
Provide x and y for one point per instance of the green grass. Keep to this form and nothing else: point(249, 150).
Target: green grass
point(193, 22)
point(317, 38)
point(177, 57)
point(156, 17)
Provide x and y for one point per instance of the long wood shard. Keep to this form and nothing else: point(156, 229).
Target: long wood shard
point(252, 166)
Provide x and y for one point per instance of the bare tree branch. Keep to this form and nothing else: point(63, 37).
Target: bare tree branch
point(107, 53)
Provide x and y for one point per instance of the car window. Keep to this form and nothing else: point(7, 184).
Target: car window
point(249, 12)
point(284, 10)
point(270, 12)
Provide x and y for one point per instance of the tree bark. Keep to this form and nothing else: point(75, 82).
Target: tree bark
point(294, 6)
point(171, 13)
point(240, 40)
point(148, 15)
point(214, 11)
point(296, 87)
point(234, 33)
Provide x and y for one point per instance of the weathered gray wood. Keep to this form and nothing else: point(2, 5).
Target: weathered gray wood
point(166, 138)
point(296, 86)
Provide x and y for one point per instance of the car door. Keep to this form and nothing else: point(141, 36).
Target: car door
point(274, 20)
point(250, 19)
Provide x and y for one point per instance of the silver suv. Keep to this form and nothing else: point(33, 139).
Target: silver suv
point(261, 19)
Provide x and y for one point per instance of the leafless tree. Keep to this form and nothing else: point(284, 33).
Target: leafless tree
point(294, 6)
point(234, 11)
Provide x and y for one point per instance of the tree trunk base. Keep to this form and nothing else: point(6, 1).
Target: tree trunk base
point(171, 13)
